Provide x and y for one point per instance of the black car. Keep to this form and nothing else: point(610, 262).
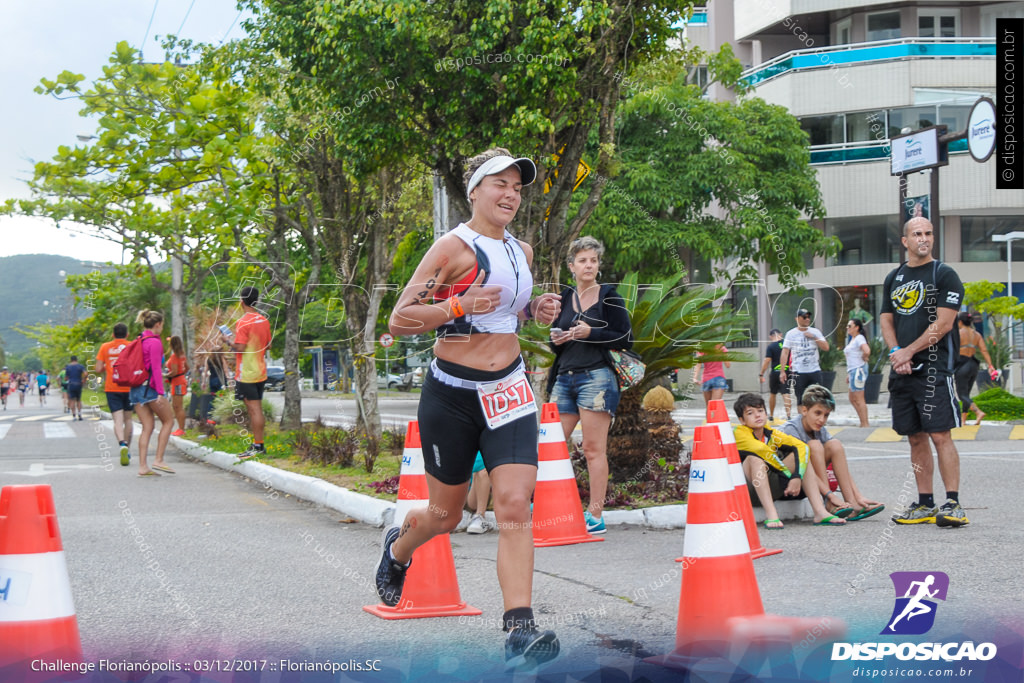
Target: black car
point(275, 378)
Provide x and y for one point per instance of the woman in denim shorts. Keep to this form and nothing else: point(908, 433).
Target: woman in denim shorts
point(713, 383)
point(593, 321)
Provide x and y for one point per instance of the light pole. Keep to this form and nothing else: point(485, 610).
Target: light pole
point(1009, 238)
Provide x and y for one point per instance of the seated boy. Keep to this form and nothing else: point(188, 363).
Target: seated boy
point(776, 464)
point(809, 426)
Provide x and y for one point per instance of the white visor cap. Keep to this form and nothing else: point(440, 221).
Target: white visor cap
point(527, 170)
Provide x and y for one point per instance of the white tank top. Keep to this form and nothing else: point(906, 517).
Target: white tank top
point(505, 264)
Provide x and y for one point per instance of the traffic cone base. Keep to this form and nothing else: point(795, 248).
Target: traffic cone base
point(423, 594)
point(431, 586)
point(557, 510)
point(37, 613)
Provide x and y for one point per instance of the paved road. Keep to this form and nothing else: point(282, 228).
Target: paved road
point(239, 571)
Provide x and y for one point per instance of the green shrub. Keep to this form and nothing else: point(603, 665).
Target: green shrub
point(999, 404)
point(325, 445)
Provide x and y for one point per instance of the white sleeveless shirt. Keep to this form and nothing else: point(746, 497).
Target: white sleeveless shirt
point(504, 263)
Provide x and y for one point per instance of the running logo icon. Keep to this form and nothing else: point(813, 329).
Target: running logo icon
point(916, 593)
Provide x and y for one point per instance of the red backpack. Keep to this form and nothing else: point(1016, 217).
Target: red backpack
point(129, 368)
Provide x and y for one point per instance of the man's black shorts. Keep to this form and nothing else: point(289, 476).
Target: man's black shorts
point(249, 391)
point(118, 400)
point(923, 402)
point(775, 385)
point(75, 392)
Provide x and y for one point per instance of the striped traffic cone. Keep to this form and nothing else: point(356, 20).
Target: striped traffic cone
point(557, 510)
point(431, 586)
point(720, 603)
point(37, 614)
point(717, 415)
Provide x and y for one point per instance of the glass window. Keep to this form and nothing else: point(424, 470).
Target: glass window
point(883, 26)
point(862, 126)
point(825, 130)
point(938, 23)
point(867, 239)
point(954, 116)
point(843, 28)
point(913, 118)
point(976, 238)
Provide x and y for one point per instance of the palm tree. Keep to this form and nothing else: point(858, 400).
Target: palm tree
point(671, 323)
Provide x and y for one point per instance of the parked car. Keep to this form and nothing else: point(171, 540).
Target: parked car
point(391, 382)
point(275, 378)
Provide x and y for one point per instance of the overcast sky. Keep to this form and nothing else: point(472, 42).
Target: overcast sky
point(41, 38)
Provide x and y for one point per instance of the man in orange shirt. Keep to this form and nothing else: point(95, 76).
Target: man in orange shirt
point(117, 396)
point(250, 342)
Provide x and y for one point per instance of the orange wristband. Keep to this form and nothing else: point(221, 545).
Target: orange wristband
point(456, 307)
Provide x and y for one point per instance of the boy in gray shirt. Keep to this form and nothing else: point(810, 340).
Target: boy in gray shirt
point(809, 426)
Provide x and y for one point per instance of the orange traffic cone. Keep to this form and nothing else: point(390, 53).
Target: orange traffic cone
point(37, 614)
point(717, 415)
point(557, 510)
point(720, 602)
point(431, 586)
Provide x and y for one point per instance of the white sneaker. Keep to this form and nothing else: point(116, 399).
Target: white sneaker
point(477, 525)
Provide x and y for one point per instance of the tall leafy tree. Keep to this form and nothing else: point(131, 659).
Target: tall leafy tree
point(536, 76)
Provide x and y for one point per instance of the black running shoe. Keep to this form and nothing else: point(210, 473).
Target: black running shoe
point(951, 515)
point(390, 574)
point(525, 645)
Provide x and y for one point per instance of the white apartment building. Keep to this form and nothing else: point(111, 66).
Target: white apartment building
point(855, 74)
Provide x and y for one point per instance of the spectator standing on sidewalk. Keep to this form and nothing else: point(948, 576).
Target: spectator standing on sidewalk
point(919, 305)
point(801, 350)
point(177, 377)
point(771, 366)
point(713, 382)
point(857, 353)
point(250, 342)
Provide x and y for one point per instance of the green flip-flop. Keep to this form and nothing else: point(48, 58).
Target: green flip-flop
point(827, 521)
point(867, 512)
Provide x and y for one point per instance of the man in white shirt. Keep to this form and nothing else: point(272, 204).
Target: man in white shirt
point(800, 349)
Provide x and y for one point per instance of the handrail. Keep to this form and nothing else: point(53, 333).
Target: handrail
point(874, 51)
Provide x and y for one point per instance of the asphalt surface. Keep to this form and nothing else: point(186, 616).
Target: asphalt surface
point(237, 571)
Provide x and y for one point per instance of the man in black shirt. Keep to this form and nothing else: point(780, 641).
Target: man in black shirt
point(76, 374)
point(920, 300)
point(771, 365)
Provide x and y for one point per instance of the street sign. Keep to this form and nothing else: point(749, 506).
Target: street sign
point(386, 340)
point(981, 130)
point(918, 150)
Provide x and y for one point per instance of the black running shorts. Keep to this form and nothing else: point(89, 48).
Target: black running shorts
point(453, 428)
point(923, 402)
point(75, 392)
point(249, 391)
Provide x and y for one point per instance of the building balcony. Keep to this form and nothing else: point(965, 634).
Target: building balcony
point(871, 53)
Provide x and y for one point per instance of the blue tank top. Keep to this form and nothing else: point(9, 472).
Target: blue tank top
point(504, 263)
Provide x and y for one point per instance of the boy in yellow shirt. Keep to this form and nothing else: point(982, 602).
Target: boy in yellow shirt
point(776, 464)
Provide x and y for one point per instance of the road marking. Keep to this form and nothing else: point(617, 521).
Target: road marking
point(1017, 433)
point(65, 418)
point(33, 418)
point(968, 433)
point(836, 430)
point(4, 429)
point(6, 417)
point(58, 430)
point(883, 435)
point(38, 469)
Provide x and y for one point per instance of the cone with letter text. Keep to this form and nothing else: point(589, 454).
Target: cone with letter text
point(431, 586)
point(37, 614)
point(720, 603)
point(557, 510)
point(718, 416)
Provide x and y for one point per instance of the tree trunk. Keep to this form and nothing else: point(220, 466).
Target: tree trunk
point(291, 416)
point(358, 308)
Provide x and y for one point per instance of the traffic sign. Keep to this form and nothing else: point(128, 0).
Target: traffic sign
point(386, 340)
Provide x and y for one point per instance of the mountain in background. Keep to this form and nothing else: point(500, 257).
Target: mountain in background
point(32, 290)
